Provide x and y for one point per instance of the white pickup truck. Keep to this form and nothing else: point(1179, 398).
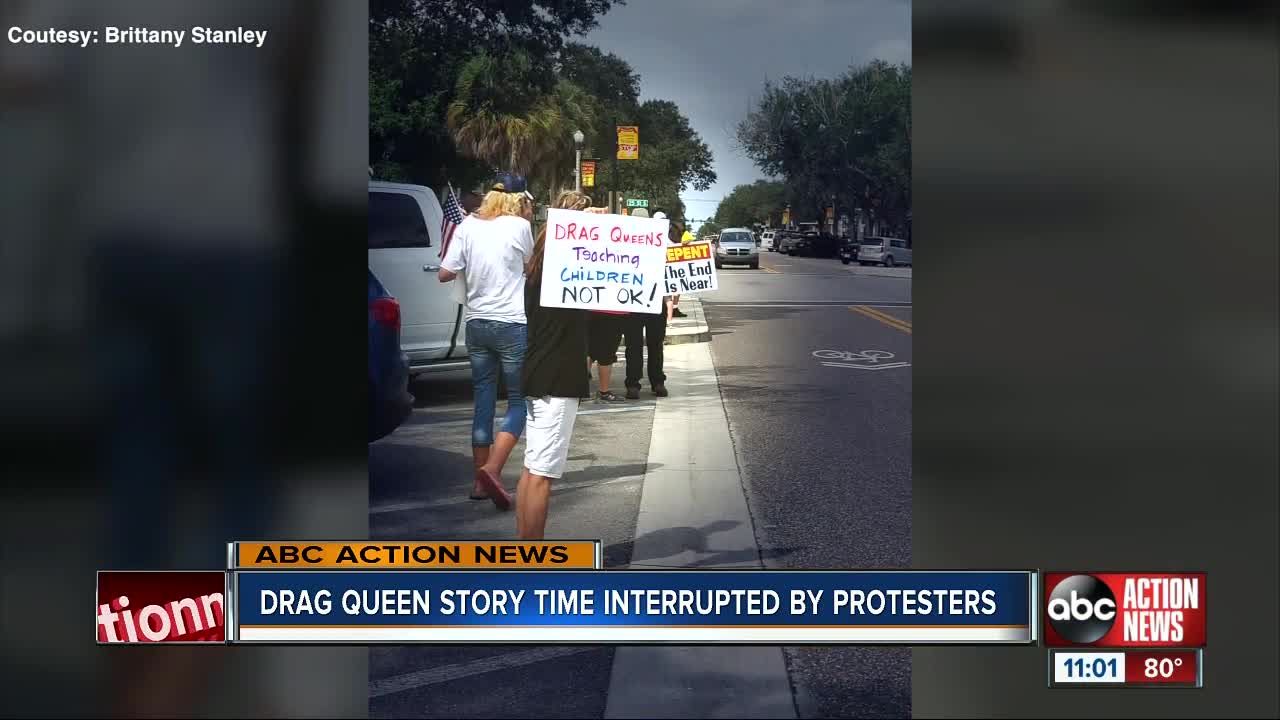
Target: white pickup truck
point(404, 252)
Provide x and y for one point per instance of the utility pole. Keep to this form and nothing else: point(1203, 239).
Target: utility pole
point(615, 191)
point(578, 137)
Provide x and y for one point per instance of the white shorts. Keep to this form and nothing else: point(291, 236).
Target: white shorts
point(548, 429)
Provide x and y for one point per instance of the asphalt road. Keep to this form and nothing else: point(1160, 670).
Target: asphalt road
point(825, 450)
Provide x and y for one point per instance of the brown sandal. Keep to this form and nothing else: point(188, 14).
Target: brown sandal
point(497, 493)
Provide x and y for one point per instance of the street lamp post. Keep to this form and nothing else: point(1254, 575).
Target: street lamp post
point(577, 160)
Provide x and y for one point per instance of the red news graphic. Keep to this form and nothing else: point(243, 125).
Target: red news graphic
point(1161, 667)
point(161, 606)
point(1124, 609)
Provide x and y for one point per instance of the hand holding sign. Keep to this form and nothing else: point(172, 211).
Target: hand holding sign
point(597, 261)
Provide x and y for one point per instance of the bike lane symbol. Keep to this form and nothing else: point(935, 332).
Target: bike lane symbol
point(859, 359)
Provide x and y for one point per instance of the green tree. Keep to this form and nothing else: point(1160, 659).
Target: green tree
point(709, 228)
point(847, 137)
point(673, 158)
point(498, 120)
point(573, 108)
point(614, 85)
point(760, 202)
point(417, 49)
point(460, 88)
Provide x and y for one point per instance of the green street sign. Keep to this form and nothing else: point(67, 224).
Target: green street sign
point(634, 203)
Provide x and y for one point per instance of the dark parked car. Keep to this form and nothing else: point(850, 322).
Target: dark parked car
point(814, 244)
point(848, 250)
point(389, 399)
point(786, 241)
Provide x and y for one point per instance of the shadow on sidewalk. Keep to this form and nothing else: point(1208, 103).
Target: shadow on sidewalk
point(608, 472)
point(672, 541)
point(402, 471)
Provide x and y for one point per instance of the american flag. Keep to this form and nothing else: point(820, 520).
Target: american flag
point(453, 216)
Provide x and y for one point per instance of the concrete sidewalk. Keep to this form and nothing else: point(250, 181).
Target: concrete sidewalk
point(876, 271)
point(693, 513)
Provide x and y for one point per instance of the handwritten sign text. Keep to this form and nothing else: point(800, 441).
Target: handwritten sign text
point(604, 262)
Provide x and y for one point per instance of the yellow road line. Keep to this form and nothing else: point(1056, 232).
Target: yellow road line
point(887, 316)
point(769, 269)
point(882, 318)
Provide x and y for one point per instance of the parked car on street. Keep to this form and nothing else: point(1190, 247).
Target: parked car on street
point(389, 399)
point(848, 250)
point(884, 251)
point(737, 246)
point(766, 240)
point(404, 253)
point(785, 241)
point(814, 244)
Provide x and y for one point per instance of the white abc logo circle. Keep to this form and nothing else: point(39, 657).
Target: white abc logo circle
point(1081, 609)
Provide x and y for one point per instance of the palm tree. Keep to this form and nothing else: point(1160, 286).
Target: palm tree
point(499, 117)
point(567, 108)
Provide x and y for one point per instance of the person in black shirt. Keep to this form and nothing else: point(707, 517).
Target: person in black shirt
point(553, 384)
point(649, 331)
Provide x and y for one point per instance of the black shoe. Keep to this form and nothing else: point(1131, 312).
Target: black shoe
point(633, 393)
point(608, 396)
point(677, 313)
point(660, 390)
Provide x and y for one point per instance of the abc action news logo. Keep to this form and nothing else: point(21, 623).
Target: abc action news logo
point(157, 606)
point(1125, 609)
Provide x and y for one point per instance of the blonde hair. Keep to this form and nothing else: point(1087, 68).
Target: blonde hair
point(567, 200)
point(497, 203)
point(572, 200)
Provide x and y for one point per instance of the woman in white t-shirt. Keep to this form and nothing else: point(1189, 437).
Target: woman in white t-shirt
point(490, 249)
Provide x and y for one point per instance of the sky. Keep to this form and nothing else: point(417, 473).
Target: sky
point(712, 57)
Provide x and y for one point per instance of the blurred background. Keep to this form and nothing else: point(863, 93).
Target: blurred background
point(1095, 191)
point(181, 361)
point(1095, 376)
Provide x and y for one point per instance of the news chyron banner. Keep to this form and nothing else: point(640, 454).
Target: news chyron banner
point(553, 592)
point(681, 607)
point(1125, 628)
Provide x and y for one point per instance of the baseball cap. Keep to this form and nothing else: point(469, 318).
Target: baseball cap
point(640, 213)
point(510, 183)
point(659, 215)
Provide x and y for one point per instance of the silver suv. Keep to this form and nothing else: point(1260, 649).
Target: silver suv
point(738, 246)
point(884, 251)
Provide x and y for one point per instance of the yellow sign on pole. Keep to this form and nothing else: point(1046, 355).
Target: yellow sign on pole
point(628, 142)
point(588, 173)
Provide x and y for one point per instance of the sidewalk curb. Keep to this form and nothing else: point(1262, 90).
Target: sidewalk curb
point(690, 329)
point(694, 513)
point(685, 338)
point(879, 275)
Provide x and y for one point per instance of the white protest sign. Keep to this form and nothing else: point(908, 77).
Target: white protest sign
point(604, 262)
point(690, 269)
